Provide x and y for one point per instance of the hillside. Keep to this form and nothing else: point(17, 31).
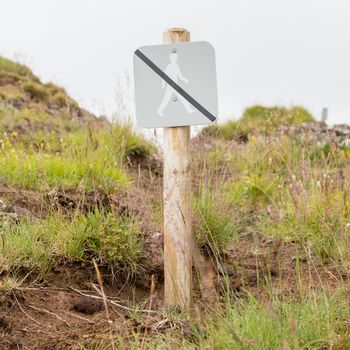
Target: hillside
point(81, 211)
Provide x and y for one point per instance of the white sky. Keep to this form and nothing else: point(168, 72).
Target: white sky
point(269, 52)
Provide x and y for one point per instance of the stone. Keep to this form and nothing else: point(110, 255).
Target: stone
point(87, 305)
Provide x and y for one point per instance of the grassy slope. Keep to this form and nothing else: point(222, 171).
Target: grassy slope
point(267, 189)
point(46, 146)
point(261, 119)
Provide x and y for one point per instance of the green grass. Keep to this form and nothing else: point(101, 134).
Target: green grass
point(8, 283)
point(37, 246)
point(25, 246)
point(278, 188)
point(316, 219)
point(13, 67)
point(262, 119)
point(316, 321)
point(81, 160)
point(217, 221)
point(46, 171)
point(275, 116)
point(284, 189)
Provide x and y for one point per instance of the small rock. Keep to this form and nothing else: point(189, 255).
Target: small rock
point(87, 305)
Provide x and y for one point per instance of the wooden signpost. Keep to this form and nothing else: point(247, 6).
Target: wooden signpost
point(177, 205)
point(175, 87)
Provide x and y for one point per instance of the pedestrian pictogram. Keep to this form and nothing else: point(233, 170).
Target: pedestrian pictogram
point(175, 85)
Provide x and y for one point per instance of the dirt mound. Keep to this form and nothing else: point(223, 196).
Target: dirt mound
point(28, 105)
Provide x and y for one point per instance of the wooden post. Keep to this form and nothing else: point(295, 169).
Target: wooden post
point(177, 206)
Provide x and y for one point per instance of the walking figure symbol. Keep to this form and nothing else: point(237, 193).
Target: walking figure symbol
point(174, 72)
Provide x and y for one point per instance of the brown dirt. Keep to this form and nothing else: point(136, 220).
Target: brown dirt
point(18, 203)
point(42, 315)
point(51, 314)
point(263, 266)
point(46, 317)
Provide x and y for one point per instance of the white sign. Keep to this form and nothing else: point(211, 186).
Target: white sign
point(175, 85)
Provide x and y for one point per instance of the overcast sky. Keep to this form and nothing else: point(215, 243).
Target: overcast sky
point(290, 52)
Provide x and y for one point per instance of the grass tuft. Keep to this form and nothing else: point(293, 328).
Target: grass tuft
point(110, 239)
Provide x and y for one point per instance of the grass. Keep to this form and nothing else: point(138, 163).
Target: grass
point(9, 66)
point(36, 91)
point(316, 321)
point(42, 147)
point(283, 189)
point(259, 192)
point(24, 246)
point(8, 284)
point(81, 160)
point(110, 239)
point(260, 119)
point(21, 87)
point(316, 219)
point(280, 188)
point(216, 223)
point(45, 171)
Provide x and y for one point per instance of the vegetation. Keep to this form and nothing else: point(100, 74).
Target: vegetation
point(289, 189)
point(80, 159)
point(271, 211)
point(260, 119)
point(216, 221)
point(109, 238)
point(314, 322)
point(9, 67)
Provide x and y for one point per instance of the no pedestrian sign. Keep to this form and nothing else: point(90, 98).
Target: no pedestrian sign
point(175, 85)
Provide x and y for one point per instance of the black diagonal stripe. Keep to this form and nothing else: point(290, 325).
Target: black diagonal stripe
point(174, 85)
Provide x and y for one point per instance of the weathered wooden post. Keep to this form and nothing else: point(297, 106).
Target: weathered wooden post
point(175, 87)
point(177, 205)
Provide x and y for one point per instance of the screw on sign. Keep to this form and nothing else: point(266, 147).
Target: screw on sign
point(175, 87)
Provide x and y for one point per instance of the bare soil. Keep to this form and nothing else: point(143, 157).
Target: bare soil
point(66, 310)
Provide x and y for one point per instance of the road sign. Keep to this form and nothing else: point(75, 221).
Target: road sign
point(175, 85)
